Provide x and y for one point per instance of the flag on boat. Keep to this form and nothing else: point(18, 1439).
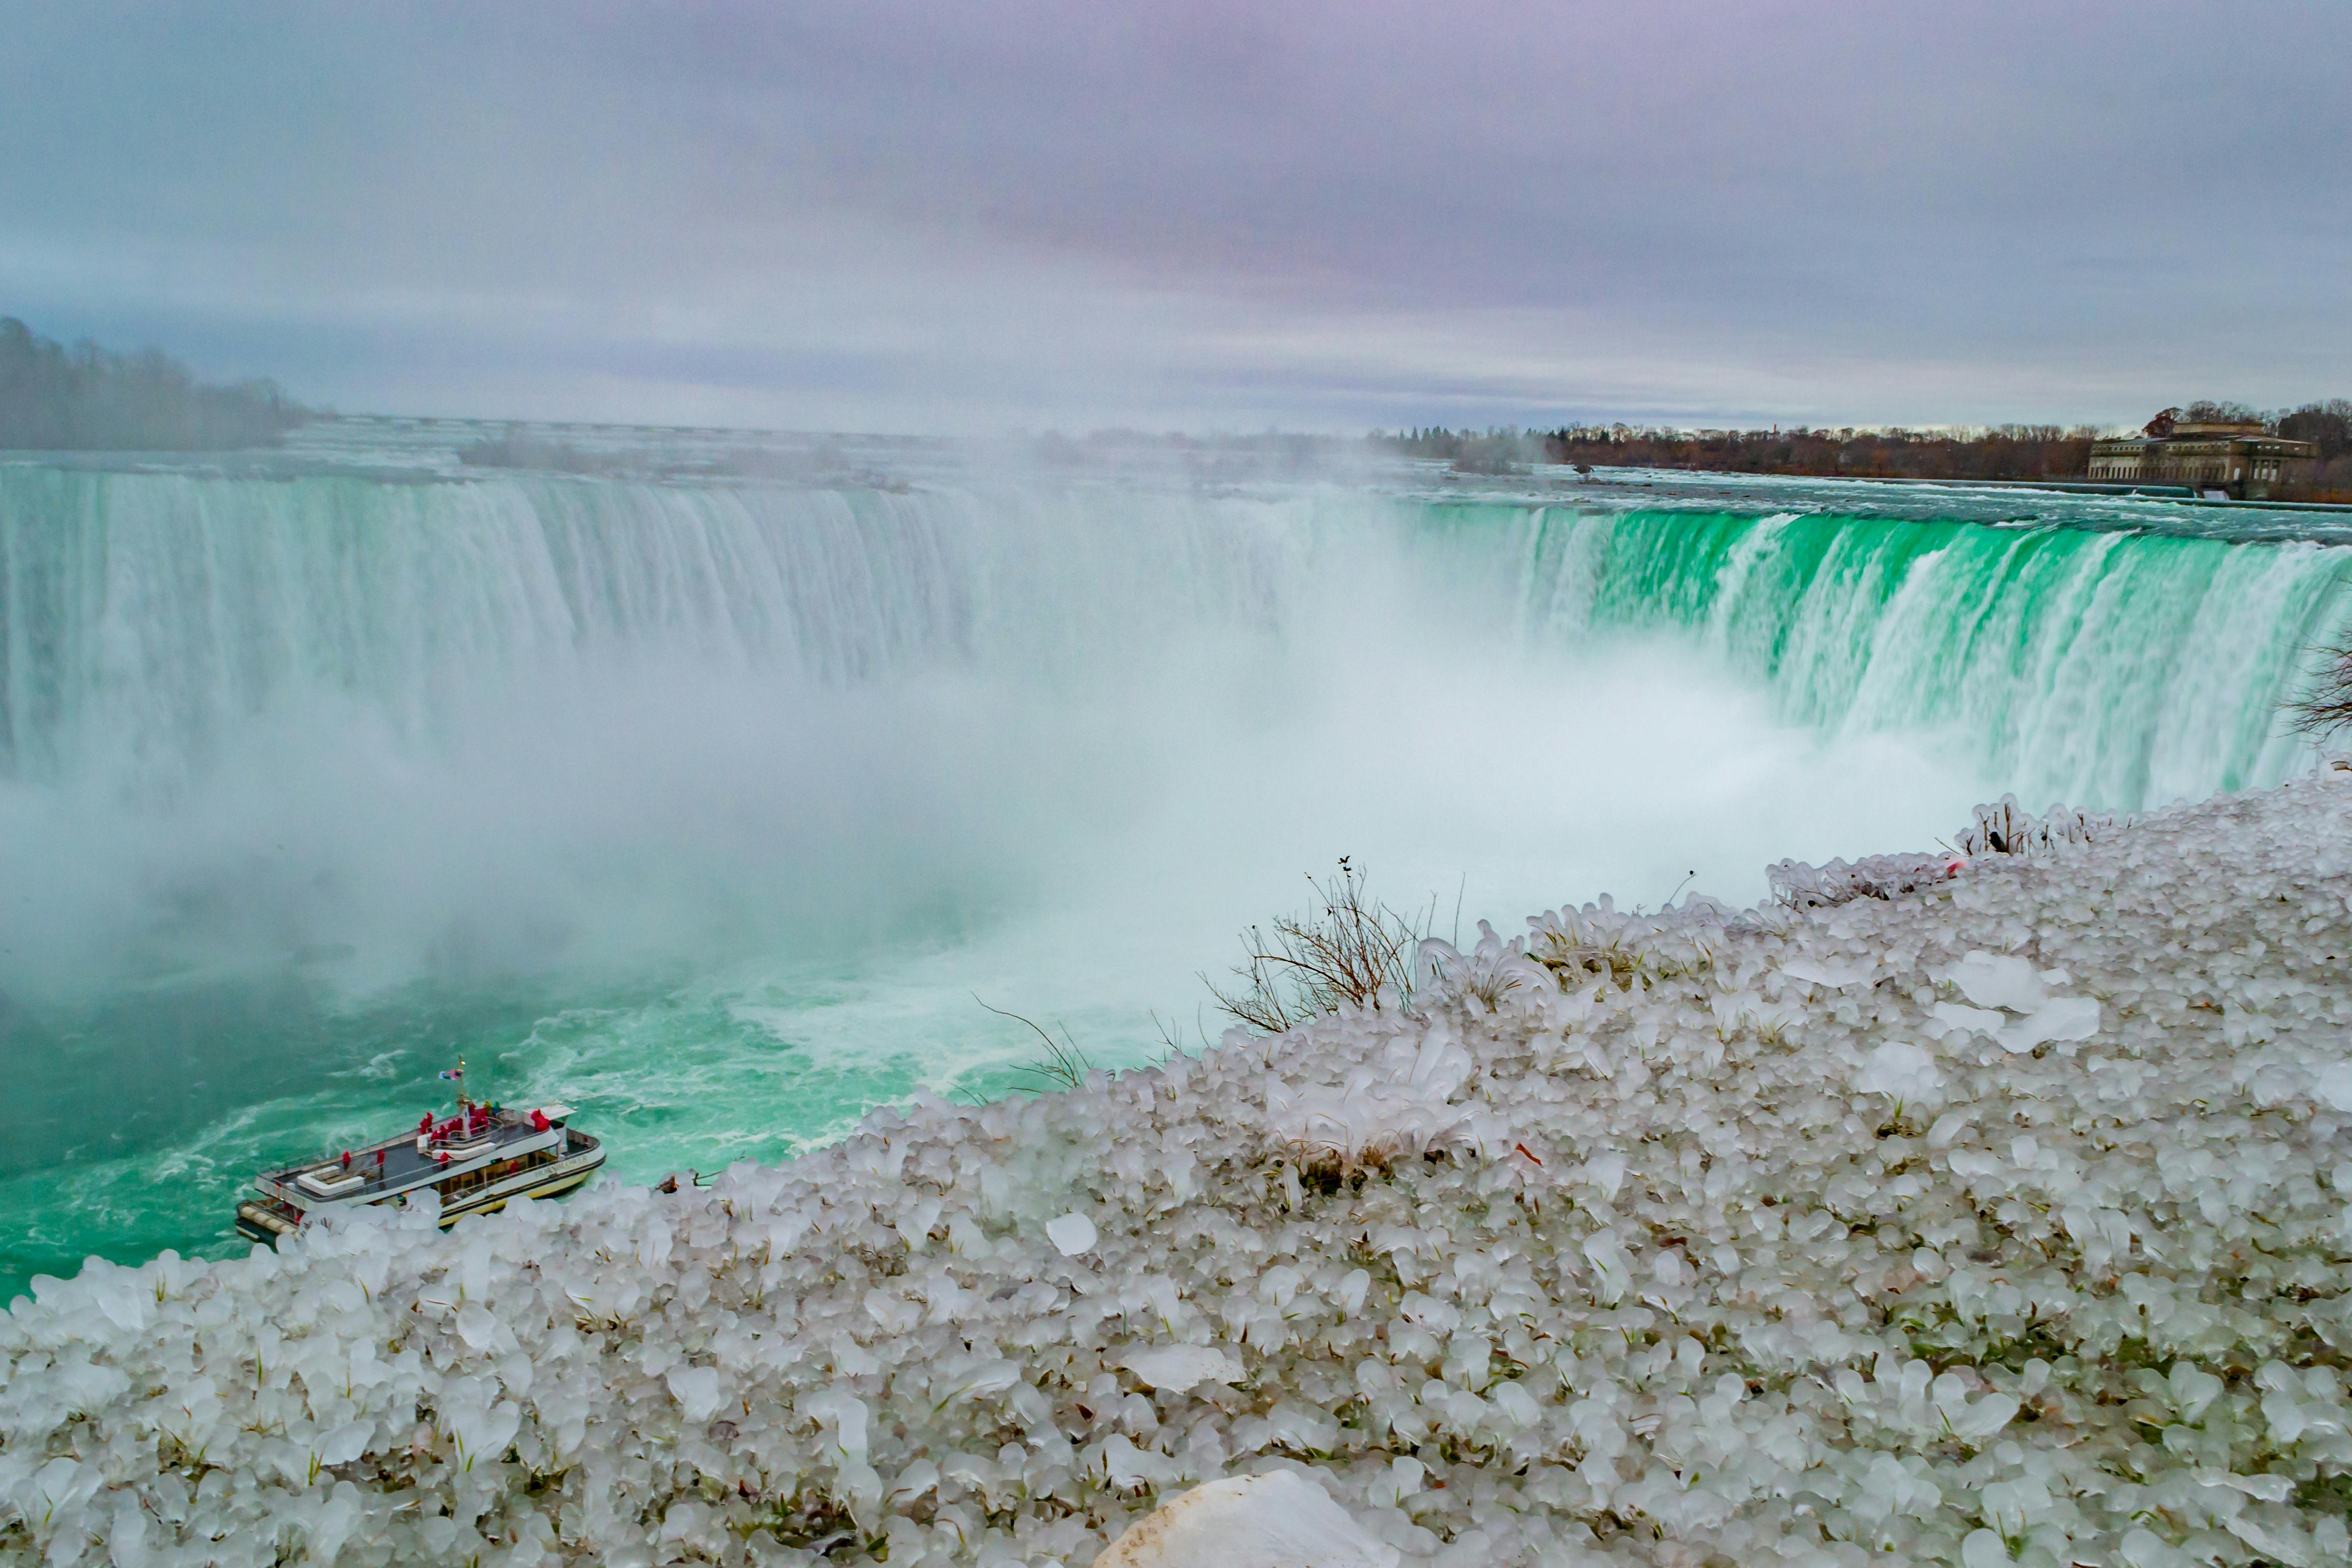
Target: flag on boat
point(453, 1072)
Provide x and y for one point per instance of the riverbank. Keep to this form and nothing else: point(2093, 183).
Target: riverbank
point(2002, 1219)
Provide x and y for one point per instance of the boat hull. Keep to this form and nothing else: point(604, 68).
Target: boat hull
point(260, 1223)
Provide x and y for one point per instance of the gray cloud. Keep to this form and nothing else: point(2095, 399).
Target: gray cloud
point(968, 216)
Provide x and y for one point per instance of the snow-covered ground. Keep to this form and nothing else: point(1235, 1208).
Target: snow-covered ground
point(2000, 1220)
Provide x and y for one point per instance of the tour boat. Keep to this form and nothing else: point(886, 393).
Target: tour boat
point(474, 1162)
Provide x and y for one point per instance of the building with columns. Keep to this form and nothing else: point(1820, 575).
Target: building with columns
point(2238, 459)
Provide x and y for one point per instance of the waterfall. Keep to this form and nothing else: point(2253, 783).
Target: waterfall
point(2107, 669)
point(143, 616)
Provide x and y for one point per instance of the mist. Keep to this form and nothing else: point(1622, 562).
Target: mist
point(1135, 713)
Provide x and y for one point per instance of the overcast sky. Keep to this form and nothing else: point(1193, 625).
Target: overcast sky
point(964, 217)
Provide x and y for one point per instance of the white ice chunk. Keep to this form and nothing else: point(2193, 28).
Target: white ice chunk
point(2192, 1389)
point(696, 1388)
point(1983, 1549)
point(1181, 1367)
point(344, 1444)
point(1952, 1017)
point(1279, 1520)
point(2333, 1085)
point(844, 1414)
point(482, 1432)
point(1983, 1419)
point(1901, 1069)
point(2146, 1549)
point(118, 1293)
point(2064, 1018)
point(1127, 1467)
point(476, 1326)
point(1836, 975)
point(1605, 1173)
point(1071, 1235)
point(1991, 981)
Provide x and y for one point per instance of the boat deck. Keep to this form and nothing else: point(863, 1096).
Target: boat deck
point(403, 1167)
point(475, 1161)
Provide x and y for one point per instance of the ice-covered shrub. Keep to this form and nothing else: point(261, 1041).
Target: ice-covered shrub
point(1804, 886)
point(1402, 1104)
point(2005, 828)
point(1601, 942)
point(2002, 829)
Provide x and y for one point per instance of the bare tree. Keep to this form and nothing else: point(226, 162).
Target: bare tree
point(2327, 706)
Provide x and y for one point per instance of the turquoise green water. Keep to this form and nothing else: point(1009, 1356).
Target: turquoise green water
point(158, 1112)
point(2097, 667)
point(720, 812)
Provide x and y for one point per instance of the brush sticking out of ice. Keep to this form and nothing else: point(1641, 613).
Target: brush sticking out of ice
point(1975, 1211)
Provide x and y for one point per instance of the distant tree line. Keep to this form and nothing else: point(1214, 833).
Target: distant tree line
point(2006, 452)
point(2003, 452)
point(2329, 425)
point(83, 398)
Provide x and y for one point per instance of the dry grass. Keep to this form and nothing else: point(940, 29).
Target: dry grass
point(1576, 956)
point(1348, 951)
point(1576, 953)
point(1326, 1167)
point(1064, 1065)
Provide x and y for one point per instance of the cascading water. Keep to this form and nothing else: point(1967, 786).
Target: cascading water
point(2102, 668)
point(144, 618)
point(710, 807)
point(147, 616)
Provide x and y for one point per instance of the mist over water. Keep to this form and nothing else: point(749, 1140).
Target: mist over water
point(709, 807)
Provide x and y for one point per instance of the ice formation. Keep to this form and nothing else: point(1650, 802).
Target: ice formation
point(2002, 829)
point(1871, 877)
point(1271, 1520)
point(1999, 1220)
point(2006, 828)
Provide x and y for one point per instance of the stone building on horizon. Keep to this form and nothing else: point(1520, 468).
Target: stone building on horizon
point(2239, 459)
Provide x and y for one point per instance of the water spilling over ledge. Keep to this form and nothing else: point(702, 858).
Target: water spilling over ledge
point(148, 620)
point(2007, 1216)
